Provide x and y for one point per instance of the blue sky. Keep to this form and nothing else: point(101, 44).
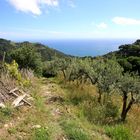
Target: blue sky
point(69, 19)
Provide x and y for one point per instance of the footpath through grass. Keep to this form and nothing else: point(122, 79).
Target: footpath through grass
point(54, 115)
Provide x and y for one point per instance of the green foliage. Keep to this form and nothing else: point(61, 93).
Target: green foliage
point(46, 52)
point(7, 111)
point(109, 72)
point(51, 68)
point(13, 71)
point(74, 131)
point(118, 132)
point(56, 66)
point(128, 84)
point(125, 64)
point(128, 56)
point(5, 46)
point(12, 130)
point(41, 134)
point(27, 57)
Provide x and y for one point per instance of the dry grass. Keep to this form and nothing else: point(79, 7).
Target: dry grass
point(133, 121)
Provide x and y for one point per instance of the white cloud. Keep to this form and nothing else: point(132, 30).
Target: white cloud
point(125, 21)
point(102, 25)
point(32, 6)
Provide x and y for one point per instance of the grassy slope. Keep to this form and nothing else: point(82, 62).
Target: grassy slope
point(57, 119)
point(56, 116)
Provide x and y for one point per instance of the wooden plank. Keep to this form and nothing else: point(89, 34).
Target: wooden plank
point(18, 100)
point(13, 90)
point(22, 100)
point(2, 105)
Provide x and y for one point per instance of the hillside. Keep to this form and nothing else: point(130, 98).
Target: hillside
point(81, 98)
point(46, 52)
point(128, 56)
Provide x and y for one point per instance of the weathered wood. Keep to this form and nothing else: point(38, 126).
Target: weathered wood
point(22, 100)
point(20, 104)
point(18, 100)
point(2, 105)
point(13, 90)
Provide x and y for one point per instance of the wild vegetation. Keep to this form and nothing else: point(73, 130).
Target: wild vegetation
point(128, 56)
point(93, 98)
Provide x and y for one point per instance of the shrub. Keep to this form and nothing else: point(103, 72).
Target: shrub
point(12, 69)
point(27, 57)
point(14, 73)
point(7, 111)
point(118, 132)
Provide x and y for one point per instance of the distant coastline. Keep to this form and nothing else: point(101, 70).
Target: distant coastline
point(86, 47)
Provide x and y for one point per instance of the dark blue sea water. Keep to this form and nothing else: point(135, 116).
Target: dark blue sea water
point(86, 47)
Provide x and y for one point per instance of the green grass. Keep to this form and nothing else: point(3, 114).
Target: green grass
point(41, 134)
point(118, 132)
point(74, 131)
point(6, 113)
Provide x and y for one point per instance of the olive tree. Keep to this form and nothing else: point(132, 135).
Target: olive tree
point(129, 86)
point(104, 74)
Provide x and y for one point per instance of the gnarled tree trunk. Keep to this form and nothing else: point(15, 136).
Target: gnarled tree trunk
point(126, 107)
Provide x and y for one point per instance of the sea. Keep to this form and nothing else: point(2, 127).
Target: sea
point(86, 47)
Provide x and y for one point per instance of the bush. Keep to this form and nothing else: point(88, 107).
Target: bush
point(118, 132)
point(27, 57)
point(13, 71)
point(7, 111)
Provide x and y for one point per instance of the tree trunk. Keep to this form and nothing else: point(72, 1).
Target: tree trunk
point(64, 74)
point(99, 97)
point(123, 114)
point(125, 107)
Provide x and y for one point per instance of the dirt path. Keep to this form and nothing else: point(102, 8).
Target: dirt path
point(48, 110)
point(54, 98)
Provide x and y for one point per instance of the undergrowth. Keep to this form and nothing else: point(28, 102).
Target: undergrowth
point(74, 131)
point(118, 132)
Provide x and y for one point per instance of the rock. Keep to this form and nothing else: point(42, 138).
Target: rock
point(6, 125)
point(36, 126)
point(56, 112)
point(11, 124)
